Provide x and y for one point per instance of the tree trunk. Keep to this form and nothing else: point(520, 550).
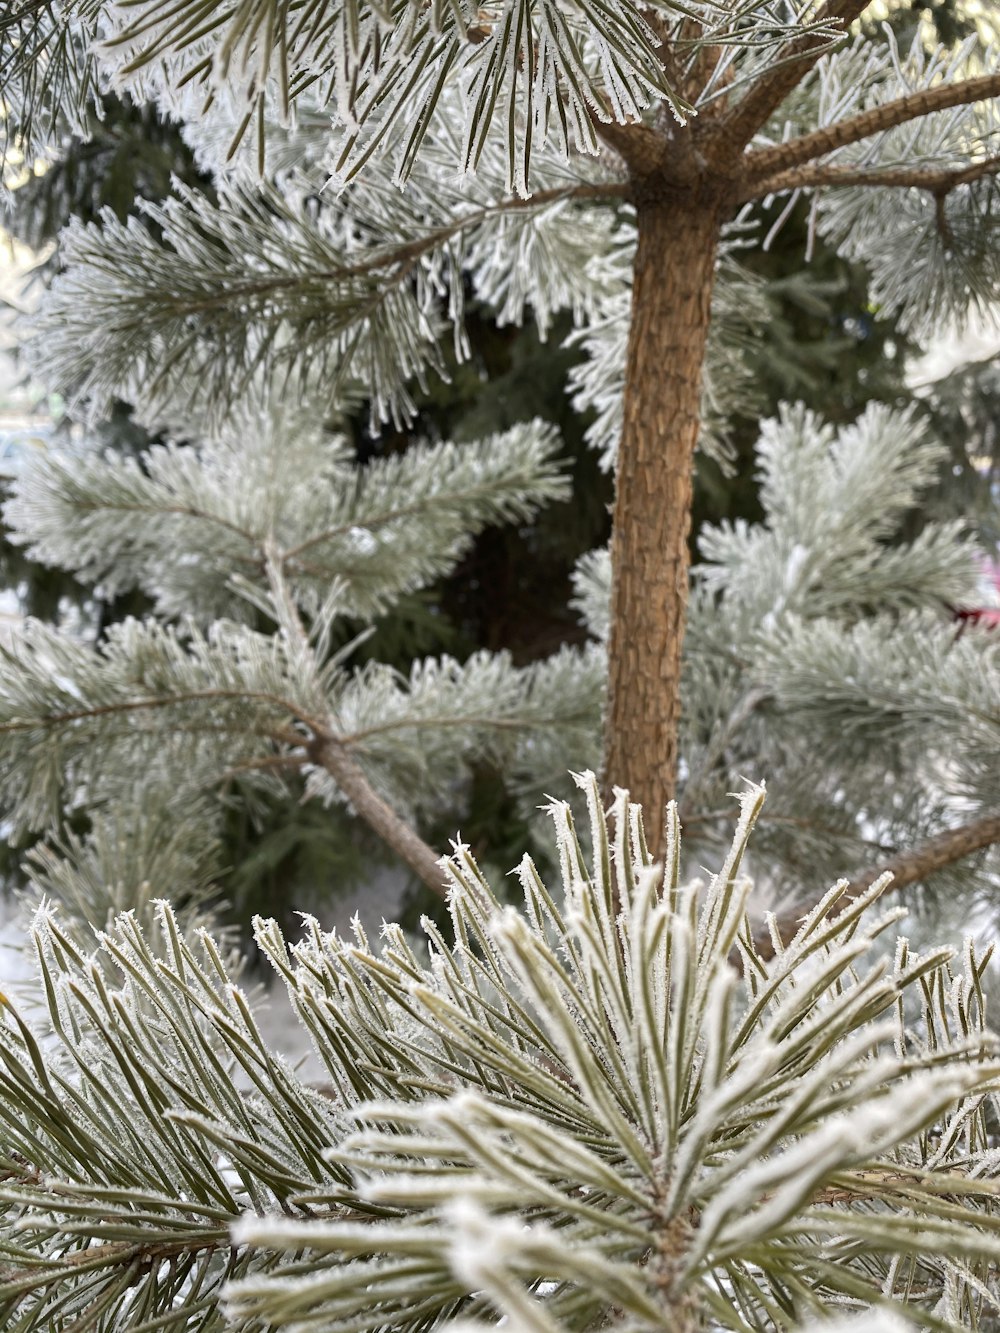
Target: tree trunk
point(671, 301)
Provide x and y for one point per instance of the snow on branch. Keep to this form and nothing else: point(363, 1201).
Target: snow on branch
point(359, 294)
point(272, 474)
point(568, 1109)
point(906, 868)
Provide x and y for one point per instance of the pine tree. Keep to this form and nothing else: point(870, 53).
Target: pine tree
point(606, 153)
point(510, 589)
point(166, 1169)
point(221, 296)
point(617, 1106)
point(817, 652)
point(254, 546)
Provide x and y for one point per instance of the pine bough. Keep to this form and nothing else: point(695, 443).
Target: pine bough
point(820, 649)
point(603, 1109)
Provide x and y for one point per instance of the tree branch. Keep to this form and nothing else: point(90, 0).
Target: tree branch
point(819, 175)
point(906, 868)
point(44, 720)
point(349, 776)
point(639, 146)
point(325, 750)
point(328, 750)
point(92, 1258)
point(399, 258)
point(806, 148)
point(185, 511)
point(291, 555)
point(790, 66)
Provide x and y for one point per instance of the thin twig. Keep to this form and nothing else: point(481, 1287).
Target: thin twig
point(823, 175)
point(112, 1253)
point(186, 511)
point(376, 521)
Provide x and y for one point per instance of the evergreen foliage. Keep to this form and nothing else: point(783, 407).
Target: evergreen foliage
point(819, 640)
point(821, 651)
point(251, 569)
point(272, 474)
point(575, 1113)
point(382, 72)
point(123, 153)
point(307, 290)
point(534, 164)
point(360, 285)
point(616, 1106)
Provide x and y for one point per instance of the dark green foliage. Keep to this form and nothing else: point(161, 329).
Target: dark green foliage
point(131, 155)
point(511, 591)
point(963, 408)
point(826, 345)
point(289, 858)
point(952, 21)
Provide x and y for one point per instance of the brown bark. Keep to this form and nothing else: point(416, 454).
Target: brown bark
point(684, 181)
point(674, 272)
point(808, 147)
point(906, 868)
point(639, 146)
point(377, 813)
point(791, 63)
point(824, 175)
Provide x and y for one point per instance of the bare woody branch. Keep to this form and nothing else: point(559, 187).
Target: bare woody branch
point(394, 831)
point(907, 868)
point(768, 161)
point(330, 752)
point(819, 175)
point(791, 64)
